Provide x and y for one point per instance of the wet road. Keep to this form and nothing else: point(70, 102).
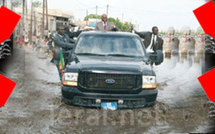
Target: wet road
point(35, 105)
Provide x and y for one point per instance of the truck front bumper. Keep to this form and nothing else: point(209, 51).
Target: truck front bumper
point(74, 96)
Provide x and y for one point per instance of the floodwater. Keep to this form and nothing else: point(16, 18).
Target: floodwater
point(35, 105)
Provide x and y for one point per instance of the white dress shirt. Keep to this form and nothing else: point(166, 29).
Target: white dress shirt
point(149, 48)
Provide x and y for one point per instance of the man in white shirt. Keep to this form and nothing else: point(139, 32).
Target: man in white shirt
point(152, 41)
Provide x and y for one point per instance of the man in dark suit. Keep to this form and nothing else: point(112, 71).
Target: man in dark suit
point(71, 34)
point(152, 41)
point(61, 41)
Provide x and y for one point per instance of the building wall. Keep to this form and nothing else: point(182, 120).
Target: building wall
point(53, 20)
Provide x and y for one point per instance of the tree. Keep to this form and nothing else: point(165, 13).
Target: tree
point(36, 4)
point(92, 16)
point(15, 4)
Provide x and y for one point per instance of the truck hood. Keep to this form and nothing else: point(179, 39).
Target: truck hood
point(110, 64)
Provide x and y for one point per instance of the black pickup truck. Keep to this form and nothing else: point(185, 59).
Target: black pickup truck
point(110, 70)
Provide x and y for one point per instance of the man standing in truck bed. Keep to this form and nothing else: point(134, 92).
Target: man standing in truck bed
point(105, 25)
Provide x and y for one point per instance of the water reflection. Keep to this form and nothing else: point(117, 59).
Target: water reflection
point(177, 78)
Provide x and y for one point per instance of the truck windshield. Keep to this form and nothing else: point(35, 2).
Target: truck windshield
point(111, 45)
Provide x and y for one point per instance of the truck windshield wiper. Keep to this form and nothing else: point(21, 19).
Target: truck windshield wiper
point(90, 54)
point(123, 55)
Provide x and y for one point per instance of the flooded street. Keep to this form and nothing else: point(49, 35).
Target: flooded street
point(35, 105)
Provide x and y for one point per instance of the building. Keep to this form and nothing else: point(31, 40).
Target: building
point(56, 17)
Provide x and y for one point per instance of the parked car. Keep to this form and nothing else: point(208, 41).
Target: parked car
point(110, 70)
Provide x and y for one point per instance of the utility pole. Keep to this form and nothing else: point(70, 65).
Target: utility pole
point(107, 10)
point(35, 23)
point(47, 19)
point(122, 17)
point(3, 2)
point(26, 18)
point(43, 25)
point(96, 13)
point(26, 8)
point(31, 24)
point(86, 17)
point(11, 5)
point(23, 10)
point(23, 15)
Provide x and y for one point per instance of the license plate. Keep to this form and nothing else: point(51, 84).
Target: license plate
point(109, 105)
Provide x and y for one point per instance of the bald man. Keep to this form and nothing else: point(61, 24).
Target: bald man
point(105, 25)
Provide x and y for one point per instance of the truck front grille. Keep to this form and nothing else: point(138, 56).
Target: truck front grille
point(99, 80)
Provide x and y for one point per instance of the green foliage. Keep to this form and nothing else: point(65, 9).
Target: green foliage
point(36, 4)
point(16, 3)
point(162, 33)
point(92, 16)
point(120, 25)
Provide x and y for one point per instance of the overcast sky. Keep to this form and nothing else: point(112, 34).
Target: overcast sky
point(143, 13)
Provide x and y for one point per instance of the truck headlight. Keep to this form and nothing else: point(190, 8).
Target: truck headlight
point(149, 82)
point(70, 79)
